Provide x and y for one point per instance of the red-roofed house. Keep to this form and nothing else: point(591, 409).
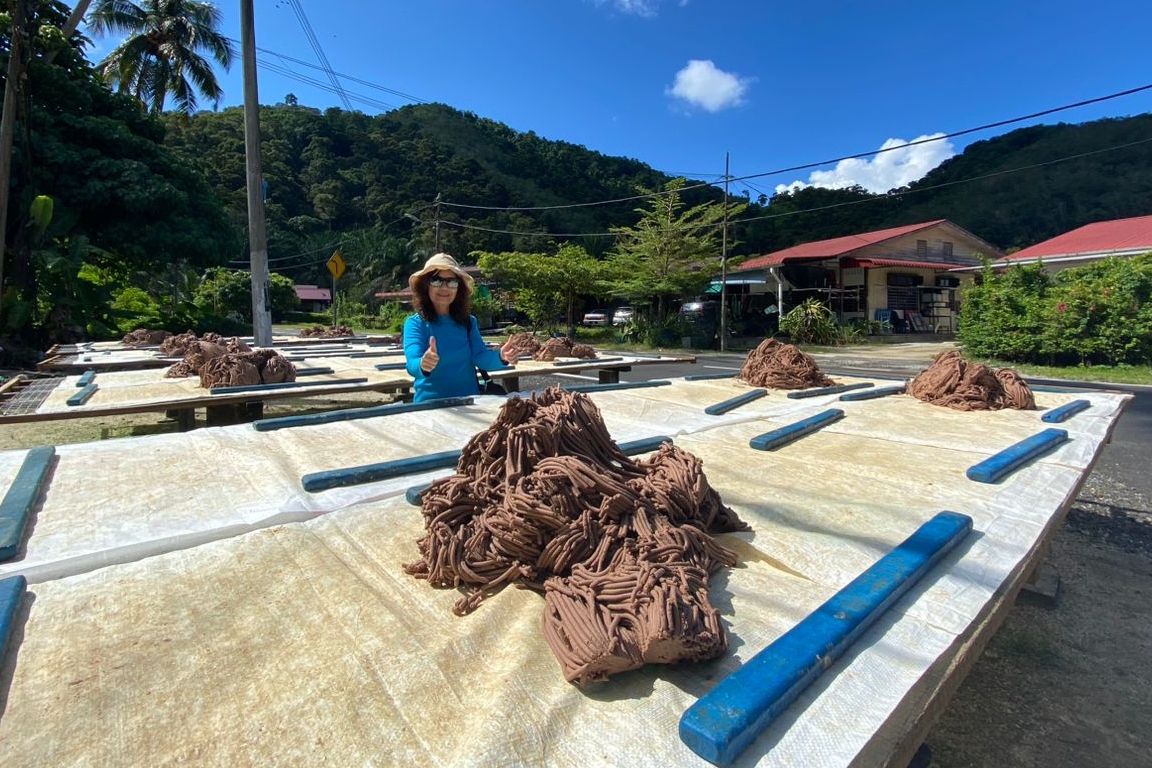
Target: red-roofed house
point(899, 274)
point(1089, 243)
point(313, 298)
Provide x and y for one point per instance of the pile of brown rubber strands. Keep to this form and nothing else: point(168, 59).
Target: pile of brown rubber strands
point(782, 366)
point(142, 337)
point(563, 346)
point(320, 332)
point(524, 343)
point(621, 547)
point(954, 383)
point(231, 363)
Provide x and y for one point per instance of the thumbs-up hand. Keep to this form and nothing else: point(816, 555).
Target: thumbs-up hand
point(430, 359)
point(508, 353)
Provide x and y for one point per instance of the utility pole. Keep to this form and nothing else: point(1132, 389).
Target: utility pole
point(437, 249)
point(8, 123)
point(257, 237)
point(724, 266)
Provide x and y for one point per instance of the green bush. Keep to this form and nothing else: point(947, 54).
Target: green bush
point(1098, 314)
point(810, 323)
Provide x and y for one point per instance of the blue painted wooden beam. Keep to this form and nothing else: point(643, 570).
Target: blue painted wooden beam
point(17, 505)
point(770, 441)
point(708, 376)
point(728, 718)
point(735, 402)
point(283, 385)
point(391, 366)
point(610, 387)
point(11, 590)
point(86, 378)
point(312, 371)
point(1015, 456)
point(82, 396)
point(829, 390)
point(415, 494)
point(350, 414)
point(384, 470)
point(870, 394)
point(1066, 411)
point(590, 363)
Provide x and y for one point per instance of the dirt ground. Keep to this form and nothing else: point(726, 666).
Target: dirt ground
point(1063, 686)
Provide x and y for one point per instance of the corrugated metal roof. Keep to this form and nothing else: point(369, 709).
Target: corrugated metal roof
point(896, 263)
point(1099, 239)
point(835, 247)
point(312, 293)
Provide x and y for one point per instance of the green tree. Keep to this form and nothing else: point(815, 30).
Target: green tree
point(225, 291)
point(161, 56)
point(670, 253)
point(546, 285)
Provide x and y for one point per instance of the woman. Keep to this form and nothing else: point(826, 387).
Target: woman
point(442, 343)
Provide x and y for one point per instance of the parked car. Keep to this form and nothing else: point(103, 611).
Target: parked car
point(623, 315)
point(595, 317)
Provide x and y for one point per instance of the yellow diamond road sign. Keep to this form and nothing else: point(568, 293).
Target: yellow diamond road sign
point(336, 265)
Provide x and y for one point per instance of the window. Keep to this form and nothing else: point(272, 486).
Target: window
point(947, 249)
point(922, 249)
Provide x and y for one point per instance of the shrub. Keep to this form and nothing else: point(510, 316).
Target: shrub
point(810, 323)
point(1098, 314)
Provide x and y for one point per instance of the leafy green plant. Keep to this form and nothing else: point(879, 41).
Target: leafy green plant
point(810, 323)
point(1098, 314)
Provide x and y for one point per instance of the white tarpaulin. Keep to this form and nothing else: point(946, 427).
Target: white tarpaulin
point(307, 644)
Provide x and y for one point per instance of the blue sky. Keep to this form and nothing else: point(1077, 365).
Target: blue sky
point(678, 83)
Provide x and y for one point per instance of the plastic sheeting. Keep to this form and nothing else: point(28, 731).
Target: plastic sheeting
point(306, 643)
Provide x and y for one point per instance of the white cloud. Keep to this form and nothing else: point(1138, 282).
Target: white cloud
point(702, 84)
point(887, 170)
point(635, 7)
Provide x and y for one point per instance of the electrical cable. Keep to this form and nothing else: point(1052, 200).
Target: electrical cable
point(307, 27)
point(806, 166)
point(883, 196)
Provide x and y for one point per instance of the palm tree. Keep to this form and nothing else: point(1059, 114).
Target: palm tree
point(161, 56)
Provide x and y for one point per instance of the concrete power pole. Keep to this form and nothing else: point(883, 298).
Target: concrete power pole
point(724, 266)
point(257, 237)
point(8, 122)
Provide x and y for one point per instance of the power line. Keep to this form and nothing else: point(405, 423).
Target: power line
point(833, 161)
point(307, 27)
point(846, 203)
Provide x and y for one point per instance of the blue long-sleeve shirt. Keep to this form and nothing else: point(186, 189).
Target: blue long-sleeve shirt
point(461, 352)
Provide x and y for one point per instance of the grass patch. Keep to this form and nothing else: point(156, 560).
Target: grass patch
point(1118, 374)
point(1027, 646)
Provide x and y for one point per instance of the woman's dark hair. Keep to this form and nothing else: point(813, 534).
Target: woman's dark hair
point(458, 310)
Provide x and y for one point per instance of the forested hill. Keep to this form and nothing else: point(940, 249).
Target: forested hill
point(333, 173)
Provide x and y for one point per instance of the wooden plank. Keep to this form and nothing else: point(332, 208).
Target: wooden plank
point(20, 498)
point(728, 718)
point(803, 393)
point(402, 384)
point(735, 402)
point(82, 396)
point(621, 385)
point(384, 470)
point(770, 441)
point(871, 394)
point(283, 385)
point(709, 376)
point(1015, 456)
point(349, 414)
point(1065, 412)
point(11, 591)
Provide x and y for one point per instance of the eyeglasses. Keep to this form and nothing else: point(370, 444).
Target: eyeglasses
point(444, 282)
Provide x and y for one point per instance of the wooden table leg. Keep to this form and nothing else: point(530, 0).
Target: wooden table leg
point(609, 376)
